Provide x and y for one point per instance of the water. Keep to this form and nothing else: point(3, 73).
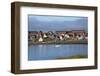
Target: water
point(47, 52)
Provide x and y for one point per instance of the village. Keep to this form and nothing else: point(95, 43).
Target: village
point(73, 36)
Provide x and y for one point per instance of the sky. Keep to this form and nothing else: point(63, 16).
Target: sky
point(56, 23)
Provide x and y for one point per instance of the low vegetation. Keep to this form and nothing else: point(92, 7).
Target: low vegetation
point(73, 57)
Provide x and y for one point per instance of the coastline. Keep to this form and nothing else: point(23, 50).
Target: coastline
point(60, 42)
point(73, 57)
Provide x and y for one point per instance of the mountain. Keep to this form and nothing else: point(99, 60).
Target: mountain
point(37, 25)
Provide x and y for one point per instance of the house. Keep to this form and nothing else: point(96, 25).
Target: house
point(32, 35)
point(79, 32)
point(60, 32)
point(40, 39)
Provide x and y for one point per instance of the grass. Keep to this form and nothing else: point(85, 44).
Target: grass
point(73, 57)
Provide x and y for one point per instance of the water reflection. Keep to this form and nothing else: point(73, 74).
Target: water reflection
point(47, 52)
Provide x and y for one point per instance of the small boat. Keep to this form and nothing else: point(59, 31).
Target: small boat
point(40, 45)
point(57, 45)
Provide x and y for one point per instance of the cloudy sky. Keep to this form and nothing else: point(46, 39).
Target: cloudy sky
point(56, 23)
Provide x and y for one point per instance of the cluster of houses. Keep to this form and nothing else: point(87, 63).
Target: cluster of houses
point(40, 36)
